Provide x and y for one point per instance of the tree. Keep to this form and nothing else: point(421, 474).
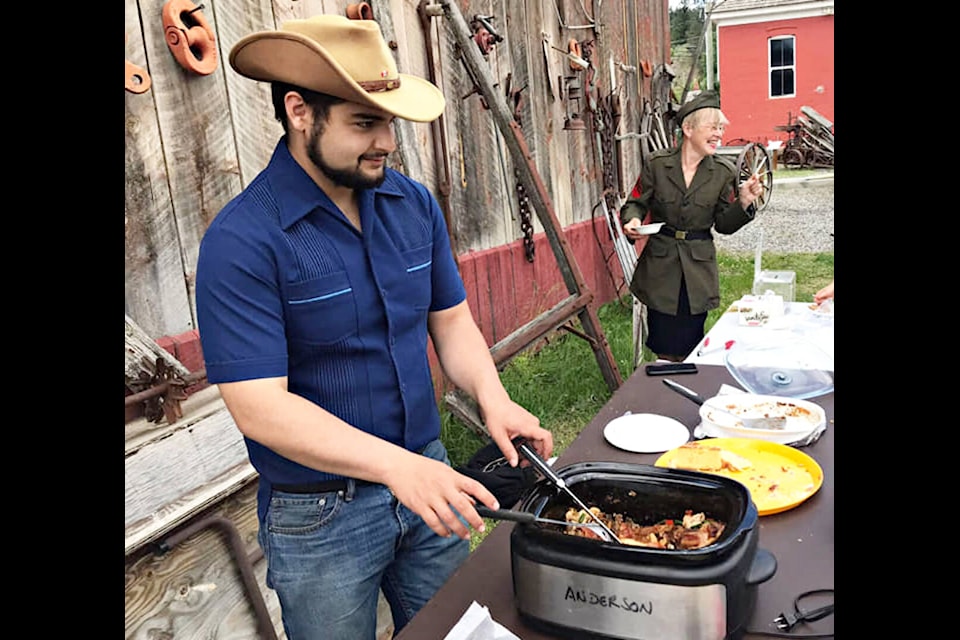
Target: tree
point(686, 30)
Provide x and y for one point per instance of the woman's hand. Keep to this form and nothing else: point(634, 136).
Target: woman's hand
point(630, 229)
point(750, 191)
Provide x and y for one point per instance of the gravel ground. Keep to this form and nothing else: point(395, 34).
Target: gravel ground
point(798, 219)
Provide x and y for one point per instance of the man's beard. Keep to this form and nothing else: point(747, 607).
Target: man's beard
point(350, 178)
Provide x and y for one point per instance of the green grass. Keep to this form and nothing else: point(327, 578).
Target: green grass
point(560, 381)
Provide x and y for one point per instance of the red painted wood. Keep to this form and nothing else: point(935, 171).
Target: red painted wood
point(468, 272)
point(524, 284)
point(744, 78)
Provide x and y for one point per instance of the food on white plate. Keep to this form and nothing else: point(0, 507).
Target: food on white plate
point(691, 531)
point(796, 416)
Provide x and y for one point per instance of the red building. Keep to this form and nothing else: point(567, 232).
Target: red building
point(773, 57)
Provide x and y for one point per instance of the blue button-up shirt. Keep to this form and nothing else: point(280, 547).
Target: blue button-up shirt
point(286, 286)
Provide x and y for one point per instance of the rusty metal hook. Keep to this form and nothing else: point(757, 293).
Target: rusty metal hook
point(359, 11)
point(135, 78)
point(189, 36)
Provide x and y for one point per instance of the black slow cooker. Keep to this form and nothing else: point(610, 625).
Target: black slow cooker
point(575, 587)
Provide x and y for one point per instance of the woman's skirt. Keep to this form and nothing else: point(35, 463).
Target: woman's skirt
point(675, 335)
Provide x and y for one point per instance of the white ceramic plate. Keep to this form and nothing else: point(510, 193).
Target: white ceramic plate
point(801, 421)
point(649, 229)
point(645, 433)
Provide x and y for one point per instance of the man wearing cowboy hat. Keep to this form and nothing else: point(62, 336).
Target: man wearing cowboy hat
point(318, 287)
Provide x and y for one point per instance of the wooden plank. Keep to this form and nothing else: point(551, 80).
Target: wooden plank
point(155, 294)
point(191, 468)
point(523, 284)
point(195, 590)
point(198, 141)
point(251, 108)
point(198, 406)
point(505, 307)
point(468, 272)
point(298, 9)
point(485, 308)
point(141, 353)
point(414, 143)
point(814, 115)
point(549, 281)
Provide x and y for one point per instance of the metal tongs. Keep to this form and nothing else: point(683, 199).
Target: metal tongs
point(552, 476)
point(526, 517)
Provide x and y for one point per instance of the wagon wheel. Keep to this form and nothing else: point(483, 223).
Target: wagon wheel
point(755, 159)
point(792, 158)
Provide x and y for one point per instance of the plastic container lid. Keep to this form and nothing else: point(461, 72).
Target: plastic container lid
point(797, 369)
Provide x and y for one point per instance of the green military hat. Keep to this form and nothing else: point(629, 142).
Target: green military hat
point(704, 100)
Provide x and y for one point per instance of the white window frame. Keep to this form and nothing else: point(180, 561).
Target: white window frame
point(771, 67)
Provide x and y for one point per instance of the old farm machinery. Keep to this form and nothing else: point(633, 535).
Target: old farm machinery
point(810, 144)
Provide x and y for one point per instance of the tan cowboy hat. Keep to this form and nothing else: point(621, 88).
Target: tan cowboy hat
point(341, 57)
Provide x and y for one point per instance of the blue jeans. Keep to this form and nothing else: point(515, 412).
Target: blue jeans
point(329, 554)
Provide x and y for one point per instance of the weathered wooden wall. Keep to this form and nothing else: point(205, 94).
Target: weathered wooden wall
point(193, 142)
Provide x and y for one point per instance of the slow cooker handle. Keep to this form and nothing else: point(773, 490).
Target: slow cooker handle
point(763, 567)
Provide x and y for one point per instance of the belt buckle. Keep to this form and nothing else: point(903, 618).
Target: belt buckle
point(679, 235)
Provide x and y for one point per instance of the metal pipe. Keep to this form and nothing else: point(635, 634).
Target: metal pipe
point(244, 563)
point(163, 387)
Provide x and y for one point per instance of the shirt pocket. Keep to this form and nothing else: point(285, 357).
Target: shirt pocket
point(703, 251)
point(321, 311)
point(417, 283)
point(706, 197)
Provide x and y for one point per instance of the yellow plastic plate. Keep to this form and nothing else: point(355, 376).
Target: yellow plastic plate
point(779, 478)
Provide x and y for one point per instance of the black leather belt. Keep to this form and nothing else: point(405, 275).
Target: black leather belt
point(667, 230)
point(326, 486)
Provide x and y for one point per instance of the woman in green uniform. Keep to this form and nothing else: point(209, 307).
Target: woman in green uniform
point(692, 190)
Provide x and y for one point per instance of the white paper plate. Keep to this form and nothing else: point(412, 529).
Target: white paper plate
point(649, 229)
point(645, 433)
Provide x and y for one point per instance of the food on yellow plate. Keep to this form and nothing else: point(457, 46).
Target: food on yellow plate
point(692, 455)
point(692, 531)
point(703, 457)
point(773, 479)
point(733, 462)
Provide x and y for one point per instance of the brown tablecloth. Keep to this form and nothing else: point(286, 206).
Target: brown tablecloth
point(801, 539)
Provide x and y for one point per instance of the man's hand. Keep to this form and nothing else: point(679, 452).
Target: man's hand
point(506, 421)
point(437, 493)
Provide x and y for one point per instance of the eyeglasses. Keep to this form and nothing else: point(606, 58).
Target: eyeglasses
point(719, 128)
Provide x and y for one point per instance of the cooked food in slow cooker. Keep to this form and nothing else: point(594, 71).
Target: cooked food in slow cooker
point(692, 531)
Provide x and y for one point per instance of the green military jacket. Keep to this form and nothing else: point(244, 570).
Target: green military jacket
point(712, 201)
